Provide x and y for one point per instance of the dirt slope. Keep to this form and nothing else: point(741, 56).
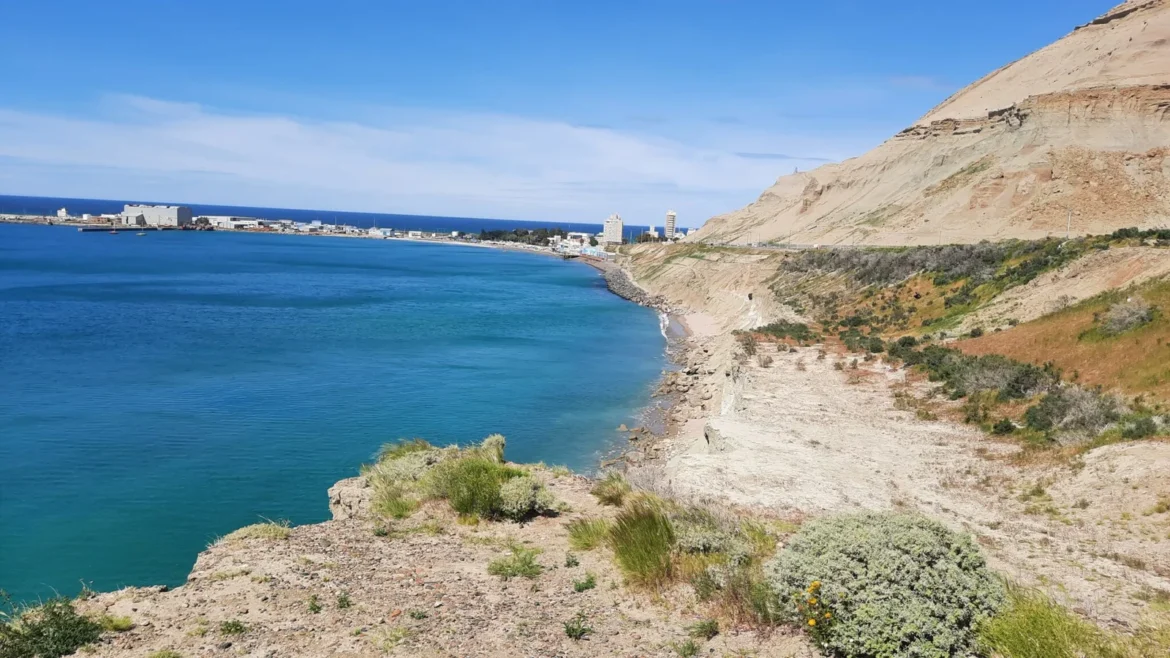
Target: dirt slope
point(1080, 125)
point(423, 590)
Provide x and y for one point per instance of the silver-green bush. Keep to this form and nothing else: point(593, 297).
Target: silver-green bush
point(884, 585)
point(523, 497)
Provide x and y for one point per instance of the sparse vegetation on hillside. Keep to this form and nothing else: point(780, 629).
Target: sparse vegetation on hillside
point(1121, 350)
point(885, 585)
point(643, 539)
point(1032, 625)
point(612, 489)
point(273, 530)
point(474, 481)
point(48, 630)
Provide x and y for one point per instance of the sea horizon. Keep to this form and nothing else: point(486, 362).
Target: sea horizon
point(47, 207)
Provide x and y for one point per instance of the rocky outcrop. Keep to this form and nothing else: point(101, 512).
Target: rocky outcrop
point(620, 284)
point(350, 498)
point(1073, 137)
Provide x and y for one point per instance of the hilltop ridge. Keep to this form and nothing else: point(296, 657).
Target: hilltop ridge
point(1079, 126)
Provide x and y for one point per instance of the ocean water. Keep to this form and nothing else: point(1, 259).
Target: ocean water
point(159, 391)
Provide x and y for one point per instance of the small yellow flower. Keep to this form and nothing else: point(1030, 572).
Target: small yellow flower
point(828, 615)
point(812, 601)
point(812, 622)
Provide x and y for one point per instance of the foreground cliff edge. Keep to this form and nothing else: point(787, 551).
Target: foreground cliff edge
point(1073, 138)
point(453, 551)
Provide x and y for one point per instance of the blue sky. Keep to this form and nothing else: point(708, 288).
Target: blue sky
point(528, 110)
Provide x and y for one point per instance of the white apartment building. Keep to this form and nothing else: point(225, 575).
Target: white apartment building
point(612, 234)
point(668, 230)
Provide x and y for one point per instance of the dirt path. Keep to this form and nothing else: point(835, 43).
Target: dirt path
point(803, 438)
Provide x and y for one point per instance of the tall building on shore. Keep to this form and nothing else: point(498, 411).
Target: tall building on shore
point(141, 215)
point(668, 230)
point(612, 233)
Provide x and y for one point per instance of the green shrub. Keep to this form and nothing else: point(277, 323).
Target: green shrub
point(1034, 626)
point(1003, 427)
point(885, 585)
point(164, 653)
point(232, 627)
point(588, 583)
point(524, 497)
point(688, 649)
point(577, 627)
point(314, 604)
point(343, 601)
point(705, 630)
point(1140, 428)
point(612, 489)
point(49, 630)
point(1073, 408)
point(521, 562)
point(1126, 315)
point(782, 329)
point(116, 623)
point(643, 539)
point(571, 561)
point(587, 534)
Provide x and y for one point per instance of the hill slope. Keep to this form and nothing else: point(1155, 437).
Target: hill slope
point(1080, 125)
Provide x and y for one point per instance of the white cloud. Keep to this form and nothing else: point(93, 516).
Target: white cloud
point(400, 160)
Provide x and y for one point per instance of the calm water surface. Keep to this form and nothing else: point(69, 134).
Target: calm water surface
point(159, 391)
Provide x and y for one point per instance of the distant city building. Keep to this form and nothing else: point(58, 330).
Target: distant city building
point(140, 215)
point(612, 232)
point(62, 214)
point(652, 233)
point(230, 222)
point(668, 231)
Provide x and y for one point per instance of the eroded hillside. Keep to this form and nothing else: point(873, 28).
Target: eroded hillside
point(1078, 126)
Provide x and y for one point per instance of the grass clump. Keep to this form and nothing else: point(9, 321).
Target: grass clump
point(704, 630)
point(520, 562)
point(470, 484)
point(687, 649)
point(612, 489)
point(116, 623)
point(1034, 626)
point(343, 601)
point(314, 604)
point(164, 653)
point(48, 630)
point(587, 534)
point(578, 627)
point(270, 530)
point(232, 627)
point(393, 500)
point(585, 585)
point(643, 539)
point(883, 585)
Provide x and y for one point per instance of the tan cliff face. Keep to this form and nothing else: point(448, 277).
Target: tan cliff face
point(1075, 131)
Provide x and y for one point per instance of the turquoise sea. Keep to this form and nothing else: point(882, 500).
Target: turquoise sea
point(159, 391)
